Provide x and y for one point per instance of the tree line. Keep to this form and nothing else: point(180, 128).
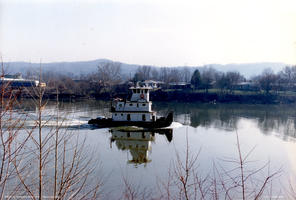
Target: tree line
point(109, 79)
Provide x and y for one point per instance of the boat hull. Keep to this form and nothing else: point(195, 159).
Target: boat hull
point(159, 123)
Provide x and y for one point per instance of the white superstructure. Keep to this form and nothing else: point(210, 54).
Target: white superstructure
point(138, 108)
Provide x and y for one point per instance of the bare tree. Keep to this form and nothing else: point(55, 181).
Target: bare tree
point(233, 78)
point(164, 74)
point(186, 182)
point(267, 79)
point(208, 75)
point(134, 191)
point(244, 183)
point(175, 75)
point(70, 176)
point(287, 76)
point(109, 73)
point(143, 73)
point(155, 74)
point(222, 83)
point(146, 71)
point(11, 144)
point(186, 74)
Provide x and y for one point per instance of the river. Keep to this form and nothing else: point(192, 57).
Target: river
point(144, 159)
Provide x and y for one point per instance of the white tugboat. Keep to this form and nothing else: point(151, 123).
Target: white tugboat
point(134, 112)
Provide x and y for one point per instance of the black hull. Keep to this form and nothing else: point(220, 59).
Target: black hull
point(159, 123)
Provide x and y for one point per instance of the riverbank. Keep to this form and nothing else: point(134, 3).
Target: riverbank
point(189, 95)
point(214, 96)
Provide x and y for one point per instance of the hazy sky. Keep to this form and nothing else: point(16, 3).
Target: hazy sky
point(156, 32)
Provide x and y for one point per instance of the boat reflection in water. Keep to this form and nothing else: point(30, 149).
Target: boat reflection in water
point(137, 142)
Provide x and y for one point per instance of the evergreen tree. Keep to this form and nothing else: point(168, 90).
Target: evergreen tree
point(196, 79)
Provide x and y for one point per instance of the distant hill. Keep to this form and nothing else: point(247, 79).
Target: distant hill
point(250, 69)
point(74, 68)
point(86, 67)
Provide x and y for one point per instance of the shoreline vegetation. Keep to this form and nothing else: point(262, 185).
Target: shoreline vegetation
point(213, 96)
point(205, 85)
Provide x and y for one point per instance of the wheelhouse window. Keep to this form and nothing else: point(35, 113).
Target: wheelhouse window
point(143, 104)
point(131, 104)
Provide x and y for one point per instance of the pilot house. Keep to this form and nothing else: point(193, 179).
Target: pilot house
point(138, 108)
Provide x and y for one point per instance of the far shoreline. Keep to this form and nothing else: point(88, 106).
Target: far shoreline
point(186, 96)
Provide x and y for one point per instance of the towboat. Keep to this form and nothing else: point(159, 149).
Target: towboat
point(137, 111)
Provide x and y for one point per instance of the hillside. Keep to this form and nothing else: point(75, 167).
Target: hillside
point(85, 67)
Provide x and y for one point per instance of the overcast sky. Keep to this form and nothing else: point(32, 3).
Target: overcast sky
point(153, 32)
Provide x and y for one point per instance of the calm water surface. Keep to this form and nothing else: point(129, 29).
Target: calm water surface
point(211, 129)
